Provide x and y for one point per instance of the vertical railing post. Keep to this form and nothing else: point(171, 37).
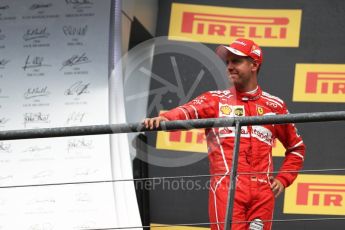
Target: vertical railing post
point(233, 175)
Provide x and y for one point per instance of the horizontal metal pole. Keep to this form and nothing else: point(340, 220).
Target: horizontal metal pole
point(171, 125)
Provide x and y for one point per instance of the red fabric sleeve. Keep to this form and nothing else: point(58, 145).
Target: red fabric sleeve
point(295, 151)
point(203, 106)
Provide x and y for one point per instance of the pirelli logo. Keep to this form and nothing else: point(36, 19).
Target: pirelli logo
point(332, 197)
point(319, 83)
point(220, 25)
point(316, 194)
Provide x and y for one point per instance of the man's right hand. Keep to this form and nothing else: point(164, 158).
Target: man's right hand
point(153, 122)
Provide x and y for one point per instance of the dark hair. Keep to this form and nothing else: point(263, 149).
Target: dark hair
point(252, 60)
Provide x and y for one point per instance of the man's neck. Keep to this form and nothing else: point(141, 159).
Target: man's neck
point(251, 89)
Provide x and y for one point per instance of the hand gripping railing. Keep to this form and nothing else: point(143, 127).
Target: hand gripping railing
point(182, 125)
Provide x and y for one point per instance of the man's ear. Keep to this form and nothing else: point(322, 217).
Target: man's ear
point(255, 66)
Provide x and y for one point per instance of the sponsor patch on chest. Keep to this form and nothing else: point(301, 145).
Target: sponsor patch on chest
point(226, 110)
point(263, 134)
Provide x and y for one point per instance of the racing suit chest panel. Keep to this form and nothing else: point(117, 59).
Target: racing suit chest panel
point(255, 143)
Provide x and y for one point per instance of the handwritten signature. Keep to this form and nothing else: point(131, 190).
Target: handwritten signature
point(36, 149)
point(36, 92)
point(36, 118)
point(73, 31)
point(36, 201)
point(4, 147)
point(76, 60)
point(3, 120)
point(4, 7)
point(86, 225)
point(3, 63)
point(79, 144)
point(35, 62)
point(78, 88)
point(44, 226)
point(85, 172)
point(75, 117)
point(38, 6)
point(79, 3)
point(43, 174)
point(7, 177)
point(83, 197)
point(2, 36)
point(36, 33)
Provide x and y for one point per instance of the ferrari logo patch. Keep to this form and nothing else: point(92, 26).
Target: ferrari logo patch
point(260, 110)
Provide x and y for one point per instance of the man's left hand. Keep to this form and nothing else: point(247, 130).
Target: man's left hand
point(276, 186)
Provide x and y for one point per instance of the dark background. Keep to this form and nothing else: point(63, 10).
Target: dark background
point(321, 41)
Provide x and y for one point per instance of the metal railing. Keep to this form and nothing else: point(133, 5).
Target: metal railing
point(170, 125)
point(182, 125)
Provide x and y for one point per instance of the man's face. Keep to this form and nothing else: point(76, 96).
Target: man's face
point(240, 70)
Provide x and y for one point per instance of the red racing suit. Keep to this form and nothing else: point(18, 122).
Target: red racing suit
point(254, 198)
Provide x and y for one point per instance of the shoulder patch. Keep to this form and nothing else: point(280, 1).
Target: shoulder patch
point(199, 100)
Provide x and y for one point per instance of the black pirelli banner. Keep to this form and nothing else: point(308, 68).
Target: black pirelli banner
point(304, 64)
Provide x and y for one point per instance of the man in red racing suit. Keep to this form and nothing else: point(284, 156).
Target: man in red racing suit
point(256, 188)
